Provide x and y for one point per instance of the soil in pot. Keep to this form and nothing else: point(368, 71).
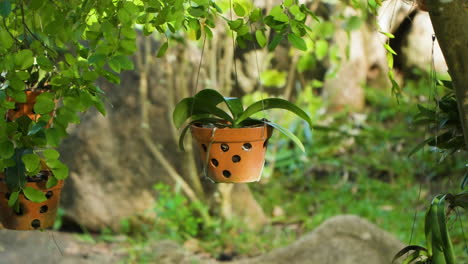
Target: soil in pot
point(31, 216)
point(26, 108)
point(233, 155)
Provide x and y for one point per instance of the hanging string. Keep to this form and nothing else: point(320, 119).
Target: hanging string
point(233, 45)
point(199, 67)
point(258, 73)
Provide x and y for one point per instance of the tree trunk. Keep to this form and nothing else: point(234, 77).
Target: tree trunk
point(450, 22)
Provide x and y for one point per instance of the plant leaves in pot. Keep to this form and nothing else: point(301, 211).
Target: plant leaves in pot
point(232, 145)
point(30, 189)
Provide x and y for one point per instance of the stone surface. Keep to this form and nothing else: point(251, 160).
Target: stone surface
point(417, 50)
point(343, 239)
point(18, 247)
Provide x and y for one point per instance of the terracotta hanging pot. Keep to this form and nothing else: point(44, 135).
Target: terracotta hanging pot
point(235, 155)
point(26, 108)
point(32, 215)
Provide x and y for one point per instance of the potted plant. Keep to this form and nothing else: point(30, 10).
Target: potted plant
point(32, 176)
point(233, 144)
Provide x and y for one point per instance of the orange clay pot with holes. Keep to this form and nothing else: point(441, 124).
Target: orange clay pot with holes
point(27, 108)
point(235, 155)
point(32, 215)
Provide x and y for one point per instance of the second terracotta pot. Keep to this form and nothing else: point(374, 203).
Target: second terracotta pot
point(32, 215)
point(27, 108)
point(233, 155)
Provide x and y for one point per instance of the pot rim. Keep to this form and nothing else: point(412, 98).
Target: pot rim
point(261, 132)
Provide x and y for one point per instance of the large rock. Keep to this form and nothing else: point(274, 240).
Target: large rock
point(343, 239)
point(17, 247)
point(417, 49)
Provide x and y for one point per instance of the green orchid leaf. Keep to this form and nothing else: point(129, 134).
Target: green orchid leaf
point(34, 195)
point(182, 111)
point(235, 105)
point(195, 120)
point(287, 133)
point(204, 102)
point(447, 247)
point(407, 249)
point(272, 103)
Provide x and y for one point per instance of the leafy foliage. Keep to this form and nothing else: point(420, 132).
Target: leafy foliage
point(444, 120)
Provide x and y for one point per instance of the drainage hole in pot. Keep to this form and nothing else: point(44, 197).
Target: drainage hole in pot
point(7, 196)
point(247, 146)
point(49, 194)
point(236, 158)
point(226, 173)
point(214, 162)
point(224, 147)
point(204, 147)
point(44, 209)
point(36, 223)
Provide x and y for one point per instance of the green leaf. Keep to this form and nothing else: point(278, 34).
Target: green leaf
point(31, 162)
point(272, 103)
point(297, 41)
point(195, 120)
point(204, 102)
point(235, 105)
point(24, 59)
point(274, 42)
point(296, 11)
point(287, 133)
point(407, 249)
point(321, 48)
point(261, 39)
point(464, 182)
point(444, 233)
point(5, 8)
point(34, 195)
point(125, 62)
point(256, 15)
point(15, 175)
point(7, 149)
point(278, 14)
point(13, 198)
point(44, 104)
point(51, 154)
point(162, 50)
point(389, 49)
point(114, 64)
point(60, 171)
point(288, 3)
point(51, 182)
point(239, 9)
